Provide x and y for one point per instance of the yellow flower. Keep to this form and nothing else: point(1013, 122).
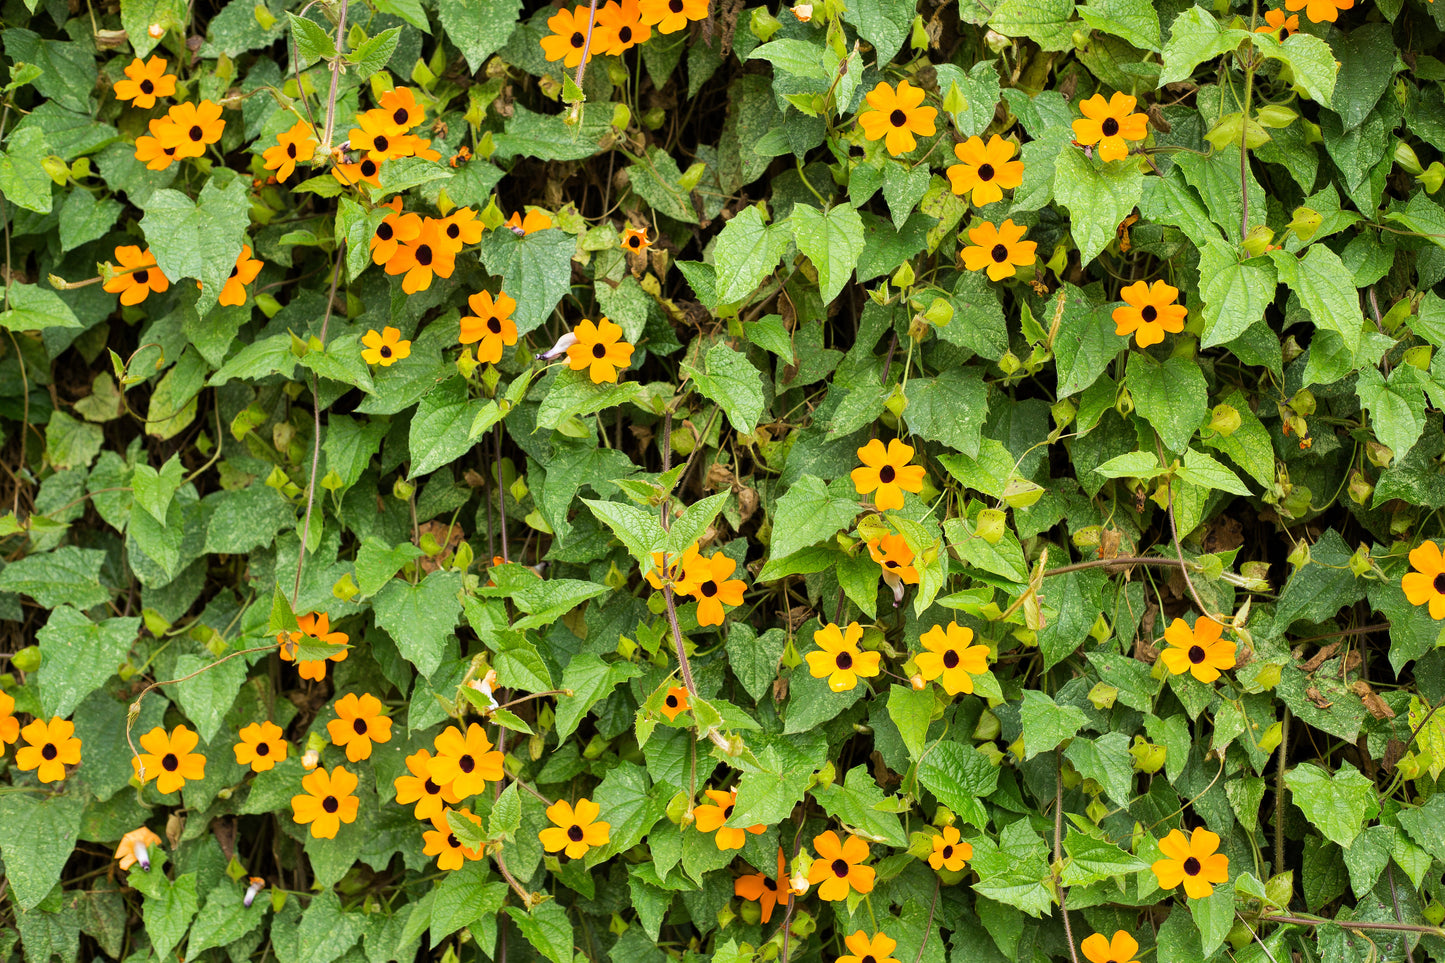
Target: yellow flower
point(385, 348)
point(1109, 123)
point(569, 36)
point(1149, 312)
point(358, 724)
point(51, 747)
point(9, 725)
point(1199, 651)
point(767, 891)
point(708, 579)
point(670, 16)
point(600, 350)
point(245, 271)
point(950, 851)
point(949, 658)
point(635, 241)
point(675, 703)
point(292, 147)
point(1001, 250)
point(574, 831)
point(863, 948)
point(467, 762)
point(1320, 11)
point(145, 80)
point(1426, 584)
point(715, 817)
point(442, 843)
point(315, 626)
point(986, 170)
point(169, 759)
point(1192, 861)
point(841, 661)
point(1277, 23)
point(888, 472)
point(140, 277)
point(1100, 949)
point(419, 787)
point(262, 745)
point(491, 324)
point(897, 117)
point(327, 803)
point(839, 867)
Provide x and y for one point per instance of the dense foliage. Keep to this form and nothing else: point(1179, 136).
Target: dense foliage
point(876, 481)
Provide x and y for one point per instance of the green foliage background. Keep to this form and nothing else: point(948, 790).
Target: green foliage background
point(158, 460)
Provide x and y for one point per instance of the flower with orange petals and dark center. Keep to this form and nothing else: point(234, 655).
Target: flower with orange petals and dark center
point(896, 117)
point(1109, 123)
point(1148, 312)
point(145, 80)
point(1001, 250)
point(986, 170)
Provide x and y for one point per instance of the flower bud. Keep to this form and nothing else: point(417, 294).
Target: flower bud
point(1258, 241)
point(939, 313)
point(987, 727)
point(1009, 363)
point(1148, 757)
point(1406, 159)
point(1096, 811)
point(1379, 455)
point(1275, 116)
point(402, 490)
point(255, 886)
point(992, 753)
point(1268, 676)
point(1360, 488)
point(763, 24)
point(904, 276)
point(1434, 913)
point(27, 659)
point(1433, 177)
point(1225, 420)
point(1269, 742)
point(1305, 222)
point(691, 176)
point(990, 525)
point(897, 402)
point(1021, 493)
point(1103, 696)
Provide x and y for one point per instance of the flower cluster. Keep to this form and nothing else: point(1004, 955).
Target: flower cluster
point(619, 26)
point(706, 579)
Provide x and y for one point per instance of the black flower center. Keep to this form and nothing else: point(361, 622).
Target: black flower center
point(870, 958)
point(380, 143)
point(634, 241)
point(1196, 654)
point(453, 842)
point(950, 659)
point(843, 661)
point(384, 231)
point(169, 762)
point(494, 326)
point(431, 788)
point(770, 884)
point(146, 87)
point(196, 133)
point(578, 40)
point(385, 351)
point(671, 701)
point(453, 231)
point(466, 764)
point(948, 852)
point(1439, 583)
point(999, 253)
point(985, 172)
point(401, 116)
point(886, 474)
point(574, 833)
point(728, 812)
point(423, 255)
point(1149, 314)
point(890, 563)
point(1110, 127)
point(234, 270)
point(898, 118)
point(359, 725)
point(709, 589)
point(840, 868)
point(625, 35)
point(368, 168)
point(675, 6)
point(331, 804)
point(141, 276)
point(1192, 867)
point(263, 749)
point(599, 350)
point(291, 151)
point(48, 751)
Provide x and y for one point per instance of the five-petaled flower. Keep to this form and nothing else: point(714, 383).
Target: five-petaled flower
point(140, 276)
point(863, 948)
point(1425, 584)
point(193, 128)
point(400, 103)
point(169, 759)
point(9, 725)
point(896, 117)
point(949, 658)
point(840, 660)
point(569, 36)
point(1109, 123)
point(670, 16)
point(262, 745)
point(887, 473)
point(986, 169)
point(50, 747)
point(635, 241)
point(419, 258)
point(767, 891)
point(619, 27)
point(396, 227)
point(895, 557)
point(385, 347)
point(1148, 312)
point(600, 350)
point(490, 325)
point(358, 724)
point(465, 762)
point(715, 816)
point(950, 850)
point(675, 702)
point(1277, 23)
point(156, 150)
point(1320, 11)
point(999, 250)
point(316, 626)
point(328, 802)
point(145, 80)
point(364, 171)
point(574, 830)
point(839, 867)
point(442, 843)
point(673, 568)
point(1193, 861)
point(430, 796)
point(378, 136)
point(460, 228)
point(245, 271)
point(1100, 949)
point(135, 848)
point(712, 588)
point(292, 146)
point(1199, 651)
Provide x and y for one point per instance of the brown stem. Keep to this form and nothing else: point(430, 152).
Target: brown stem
point(1059, 857)
point(501, 491)
point(316, 427)
point(1174, 531)
point(1279, 792)
point(1355, 924)
point(1121, 561)
point(335, 75)
point(586, 46)
point(928, 927)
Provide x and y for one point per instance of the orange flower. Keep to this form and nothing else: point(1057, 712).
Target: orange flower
point(840, 660)
point(1276, 22)
point(50, 747)
point(767, 891)
point(670, 16)
point(569, 36)
point(1001, 250)
point(892, 553)
point(392, 231)
point(465, 762)
point(461, 227)
point(378, 136)
point(865, 949)
point(490, 324)
point(194, 127)
point(144, 82)
point(714, 818)
point(141, 276)
point(675, 702)
point(1148, 312)
point(839, 867)
point(242, 274)
point(385, 347)
point(675, 571)
point(619, 28)
point(442, 843)
point(950, 851)
point(1109, 123)
point(318, 627)
point(887, 471)
point(1426, 584)
point(635, 241)
point(1100, 949)
point(599, 350)
point(400, 103)
point(1194, 862)
point(262, 745)
point(366, 171)
point(1199, 651)
point(419, 787)
point(1320, 11)
point(9, 725)
point(155, 150)
point(948, 656)
point(327, 803)
point(897, 117)
point(574, 830)
point(712, 588)
point(169, 759)
point(358, 724)
point(418, 259)
point(534, 221)
point(135, 848)
point(986, 169)
point(294, 145)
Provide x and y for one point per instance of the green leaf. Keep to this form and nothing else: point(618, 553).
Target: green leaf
point(200, 238)
point(1196, 37)
point(441, 428)
point(746, 252)
point(84, 218)
point(375, 52)
point(1046, 724)
point(78, 656)
point(732, 381)
point(536, 270)
point(1324, 287)
point(591, 680)
point(1106, 761)
point(883, 23)
point(376, 562)
point(690, 526)
point(1249, 446)
point(656, 181)
point(207, 697)
point(1214, 915)
point(224, 919)
point(1135, 464)
point(420, 617)
point(640, 531)
point(833, 242)
point(1310, 58)
point(1136, 21)
point(478, 29)
point(1091, 860)
point(358, 226)
point(1098, 195)
point(1171, 396)
point(630, 808)
point(155, 489)
point(1396, 406)
point(37, 834)
point(808, 513)
point(168, 910)
point(66, 576)
point(754, 658)
point(547, 928)
point(1235, 292)
point(575, 394)
point(23, 180)
point(854, 800)
point(1337, 805)
point(798, 57)
point(312, 42)
point(1199, 469)
point(34, 308)
point(960, 776)
point(911, 711)
point(1046, 22)
point(1426, 825)
point(949, 408)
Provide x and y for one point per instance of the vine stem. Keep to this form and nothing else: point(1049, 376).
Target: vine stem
point(1279, 792)
point(1122, 560)
point(335, 77)
point(1059, 857)
point(1174, 532)
point(1354, 924)
point(316, 431)
point(1244, 134)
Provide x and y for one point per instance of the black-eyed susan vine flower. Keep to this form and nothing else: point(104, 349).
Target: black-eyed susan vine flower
point(1320, 11)
point(1099, 948)
point(600, 350)
point(670, 16)
point(139, 275)
point(400, 104)
point(714, 816)
point(619, 27)
point(635, 241)
point(442, 843)
point(317, 626)
point(155, 149)
point(419, 259)
point(293, 146)
point(950, 850)
point(1199, 651)
point(379, 136)
point(533, 222)
point(1194, 861)
point(767, 891)
point(262, 745)
point(50, 747)
point(1425, 585)
point(134, 848)
point(394, 229)
point(9, 725)
point(385, 347)
point(887, 473)
point(568, 39)
point(950, 658)
point(1149, 312)
point(328, 801)
point(838, 867)
point(244, 272)
point(574, 830)
point(895, 557)
point(193, 128)
point(358, 724)
point(713, 589)
point(364, 171)
point(430, 796)
point(863, 948)
point(1110, 124)
point(465, 762)
point(839, 660)
point(490, 326)
point(673, 569)
point(1276, 22)
point(985, 171)
point(461, 227)
point(675, 703)
point(145, 80)
point(897, 116)
point(169, 758)
point(1000, 250)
